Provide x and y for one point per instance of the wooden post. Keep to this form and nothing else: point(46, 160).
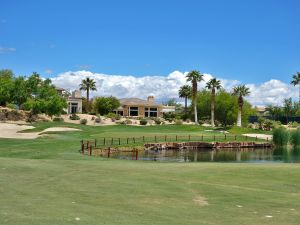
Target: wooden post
point(176, 138)
point(108, 153)
point(104, 142)
point(95, 143)
point(127, 140)
point(87, 145)
point(246, 137)
point(143, 138)
point(165, 138)
point(134, 140)
point(268, 139)
point(82, 148)
point(235, 137)
point(225, 136)
point(256, 138)
point(119, 141)
point(155, 139)
point(214, 137)
point(90, 150)
point(202, 137)
point(189, 137)
point(136, 154)
point(112, 141)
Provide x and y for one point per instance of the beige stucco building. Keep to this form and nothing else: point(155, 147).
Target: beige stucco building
point(135, 107)
point(74, 101)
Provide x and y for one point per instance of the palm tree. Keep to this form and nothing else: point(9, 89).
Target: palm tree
point(88, 85)
point(194, 77)
point(296, 81)
point(240, 91)
point(213, 84)
point(185, 92)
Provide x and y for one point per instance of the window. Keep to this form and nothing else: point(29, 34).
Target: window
point(150, 112)
point(133, 111)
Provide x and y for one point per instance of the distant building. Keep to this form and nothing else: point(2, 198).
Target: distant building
point(74, 101)
point(135, 107)
point(261, 110)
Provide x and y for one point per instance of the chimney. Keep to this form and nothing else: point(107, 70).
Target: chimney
point(76, 94)
point(150, 99)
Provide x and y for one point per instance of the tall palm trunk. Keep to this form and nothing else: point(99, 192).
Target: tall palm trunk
point(239, 118)
point(212, 107)
point(185, 105)
point(195, 111)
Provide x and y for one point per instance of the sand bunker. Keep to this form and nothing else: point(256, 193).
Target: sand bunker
point(260, 136)
point(8, 130)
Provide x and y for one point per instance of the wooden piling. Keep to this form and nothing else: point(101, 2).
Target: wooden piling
point(91, 150)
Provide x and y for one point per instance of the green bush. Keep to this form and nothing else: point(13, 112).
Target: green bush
point(11, 106)
point(295, 138)
point(58, 119)
point(280, 136)
point(83, 121)
point(143, 122)
point(74, 116)
point(293, 124)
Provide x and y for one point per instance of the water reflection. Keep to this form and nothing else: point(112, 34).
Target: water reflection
point(222, 155)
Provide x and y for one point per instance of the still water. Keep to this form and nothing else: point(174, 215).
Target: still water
point(223, 155)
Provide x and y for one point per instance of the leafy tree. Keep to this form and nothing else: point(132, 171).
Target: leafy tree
point(194, 77)
point(274, 111)
point(33, 84)
point(54, 105)
point(105, 105)
point(185, 92)
point(213, 85)
point(88, 85)
point(296, 81)
point(226, 108)
point(240, 91)
point(19, 93)
point(6, 85)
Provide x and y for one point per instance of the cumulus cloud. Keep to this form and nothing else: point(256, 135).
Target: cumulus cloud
point(4, 50)
point(166, 87)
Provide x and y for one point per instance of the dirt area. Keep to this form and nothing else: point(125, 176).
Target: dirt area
point(260, 136)
point(11, 130)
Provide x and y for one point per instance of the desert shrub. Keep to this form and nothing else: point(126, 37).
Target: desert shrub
point(178, 122)
point(74, 116)
point(92, 113)
point(127, 121)
point(31, 118)
point(14, 115)
point(63, 112)
point(293, 124)
point(98, 120)
point(280, 136)
point(83, 121)
point(143, 122)
point(157, 121)
point(188, 120)
point(2, 116)
point(58, 119)
point(295, 138)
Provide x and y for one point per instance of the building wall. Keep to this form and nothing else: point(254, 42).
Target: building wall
point(79, 105)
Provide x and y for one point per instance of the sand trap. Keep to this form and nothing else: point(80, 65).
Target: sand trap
point(60, 129)
point(8, 130)
point(260, 136)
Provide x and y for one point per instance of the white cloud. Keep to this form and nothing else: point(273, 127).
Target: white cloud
point(271, 92)
point(4, 50)
point(165, 87)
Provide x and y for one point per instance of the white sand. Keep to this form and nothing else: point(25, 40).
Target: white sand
point(8, 130)
point(260, 136)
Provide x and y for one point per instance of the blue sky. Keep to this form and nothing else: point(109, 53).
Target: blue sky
point(251, 41)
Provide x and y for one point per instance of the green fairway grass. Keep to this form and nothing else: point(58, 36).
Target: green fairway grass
point(47, 181)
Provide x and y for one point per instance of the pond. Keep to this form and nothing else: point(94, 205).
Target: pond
point(220, 155)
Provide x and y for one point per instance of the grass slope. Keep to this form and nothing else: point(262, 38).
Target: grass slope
point(134, 192)
point(46, 181)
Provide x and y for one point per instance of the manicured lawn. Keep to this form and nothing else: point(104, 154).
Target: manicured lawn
point(47, 181)
point(101, 191)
